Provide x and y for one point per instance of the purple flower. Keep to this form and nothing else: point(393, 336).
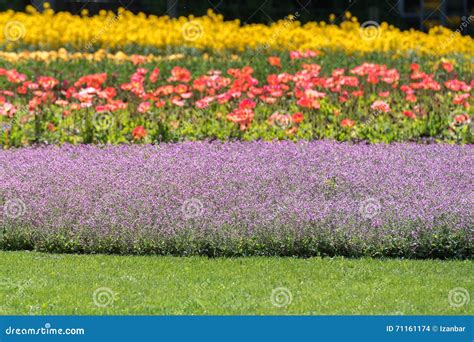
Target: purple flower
point(240, 198)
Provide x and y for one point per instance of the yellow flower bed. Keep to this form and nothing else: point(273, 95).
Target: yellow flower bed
point(49, 30)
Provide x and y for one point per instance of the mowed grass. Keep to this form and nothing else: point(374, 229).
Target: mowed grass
point(43, 284)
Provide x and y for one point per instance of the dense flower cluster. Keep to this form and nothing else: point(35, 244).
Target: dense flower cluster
point(117, 31)
point(100, 55)
point(200, 198)
point(368, 101)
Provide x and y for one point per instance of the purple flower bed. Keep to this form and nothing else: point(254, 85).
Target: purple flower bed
point(199, 198)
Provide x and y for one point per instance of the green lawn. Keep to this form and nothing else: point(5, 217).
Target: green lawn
point(36, 283)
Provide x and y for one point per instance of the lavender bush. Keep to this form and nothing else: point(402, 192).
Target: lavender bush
point(298, 199)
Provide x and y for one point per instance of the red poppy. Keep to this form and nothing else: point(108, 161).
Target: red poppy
point(380, 106)
point(411, 98)
point(94, 80)
point(50, 127)
point(177, 101)
point(456, 85)
point(295, 55)
point(144, 107)
point(7, 109)
point(243, 117)
point(448, 67)
point(274, 61)
point(139, 132)
point(47, 83)
point(247, 104)
point(138, 59)
point(108, 93)
point(308, 102)
point(305, 54)
point(247, 70)
point(409, 114)
point(461, 118)
point(159, 103)
point(179, 74)
point(342, 99)
point(373, 79)
point(154, 75)
point(15, 77)
point(297, 118)
point(347, 123)
point(461, 98)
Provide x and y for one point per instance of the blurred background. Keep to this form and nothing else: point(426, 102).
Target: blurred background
point(418, 14)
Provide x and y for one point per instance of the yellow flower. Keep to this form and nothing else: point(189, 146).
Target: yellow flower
point(107, 30)
point(63, 54)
